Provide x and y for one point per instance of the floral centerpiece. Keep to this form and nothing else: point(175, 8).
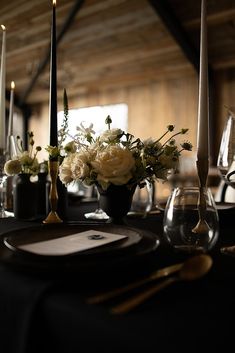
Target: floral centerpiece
point(23, 165)
point(116, 159)
point(25, 161)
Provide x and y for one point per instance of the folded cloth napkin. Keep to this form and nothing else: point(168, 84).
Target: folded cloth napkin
point(20, 296)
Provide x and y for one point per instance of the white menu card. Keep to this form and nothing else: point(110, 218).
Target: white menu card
point(72, 243)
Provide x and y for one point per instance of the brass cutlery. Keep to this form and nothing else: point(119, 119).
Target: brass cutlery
point(163, 272)
point(192, 269)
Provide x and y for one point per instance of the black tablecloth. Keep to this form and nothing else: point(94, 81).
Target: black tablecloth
point(49, 313)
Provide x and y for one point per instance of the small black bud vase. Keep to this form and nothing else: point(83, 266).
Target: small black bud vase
point(116, 201)
point(9, 194)
point(25, 197)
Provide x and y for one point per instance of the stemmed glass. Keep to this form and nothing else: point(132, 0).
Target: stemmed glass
point(226, 162)
point(181, 217)
point(226, 157)
point(155, 205)
point(3, 179)
point(144, 202)
point(98, 214)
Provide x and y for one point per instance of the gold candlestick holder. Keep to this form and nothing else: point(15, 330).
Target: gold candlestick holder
point(202, 226)
point(53, 217)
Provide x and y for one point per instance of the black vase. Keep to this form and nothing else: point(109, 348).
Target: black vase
point(9, 194)
point(116, 202)
point(25, 197)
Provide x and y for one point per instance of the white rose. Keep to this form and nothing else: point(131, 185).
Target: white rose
point(110, 135)
point(114, 165)
point(79, 166)
point(65, 173)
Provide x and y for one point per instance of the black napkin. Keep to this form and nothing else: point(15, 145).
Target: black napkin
point(20, 295)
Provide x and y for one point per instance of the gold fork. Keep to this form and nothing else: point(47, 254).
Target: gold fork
point(163, 272)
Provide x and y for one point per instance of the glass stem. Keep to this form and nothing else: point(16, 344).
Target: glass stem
point(2, 197)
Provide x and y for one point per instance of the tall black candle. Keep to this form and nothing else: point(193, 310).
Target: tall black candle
point(53, 82)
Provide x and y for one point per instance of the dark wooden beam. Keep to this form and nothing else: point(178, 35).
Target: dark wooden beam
point(174, 26)
point(77, 5)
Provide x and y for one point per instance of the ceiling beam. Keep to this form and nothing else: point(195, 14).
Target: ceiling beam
point(77, 6)
point(173, 25)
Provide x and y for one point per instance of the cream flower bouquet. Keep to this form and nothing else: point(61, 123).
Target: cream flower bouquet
point(118, 158)
point(24, 161)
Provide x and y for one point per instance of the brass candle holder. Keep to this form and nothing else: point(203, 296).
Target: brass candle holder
point(202, 226)
point(53, 217)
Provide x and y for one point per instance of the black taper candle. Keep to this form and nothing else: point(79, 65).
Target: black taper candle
point(53, 82)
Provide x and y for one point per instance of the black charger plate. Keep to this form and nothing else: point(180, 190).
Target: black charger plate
point(104, 258)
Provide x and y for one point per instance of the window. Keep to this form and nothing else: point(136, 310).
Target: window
point(96, 115)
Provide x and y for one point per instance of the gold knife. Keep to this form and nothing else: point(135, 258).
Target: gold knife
point(163, 272)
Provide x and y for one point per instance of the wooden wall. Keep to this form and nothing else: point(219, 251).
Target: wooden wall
point(151, 107)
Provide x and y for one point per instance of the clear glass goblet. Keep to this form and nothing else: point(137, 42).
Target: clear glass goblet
point(98, 214)
point(144, 201)
point(181, 216)
point(3, 178)
point(226, 156)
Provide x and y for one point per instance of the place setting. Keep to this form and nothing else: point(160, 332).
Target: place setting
point(82, 249)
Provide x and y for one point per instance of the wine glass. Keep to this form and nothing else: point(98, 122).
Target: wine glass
point(3, 178)
point(226, 157)
point(98, 214)
point(144, 202)
point(181, 216)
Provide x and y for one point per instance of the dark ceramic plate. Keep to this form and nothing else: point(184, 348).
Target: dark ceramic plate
point(138, 243)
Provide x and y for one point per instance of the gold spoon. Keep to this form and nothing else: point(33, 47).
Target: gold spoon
point(192, 269)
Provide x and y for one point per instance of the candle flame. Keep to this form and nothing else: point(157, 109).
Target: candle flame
point(54, 2)
point(3, 27)
point(12, 85)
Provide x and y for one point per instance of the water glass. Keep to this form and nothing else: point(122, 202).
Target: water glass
point(181, 216)
point(142, 202)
